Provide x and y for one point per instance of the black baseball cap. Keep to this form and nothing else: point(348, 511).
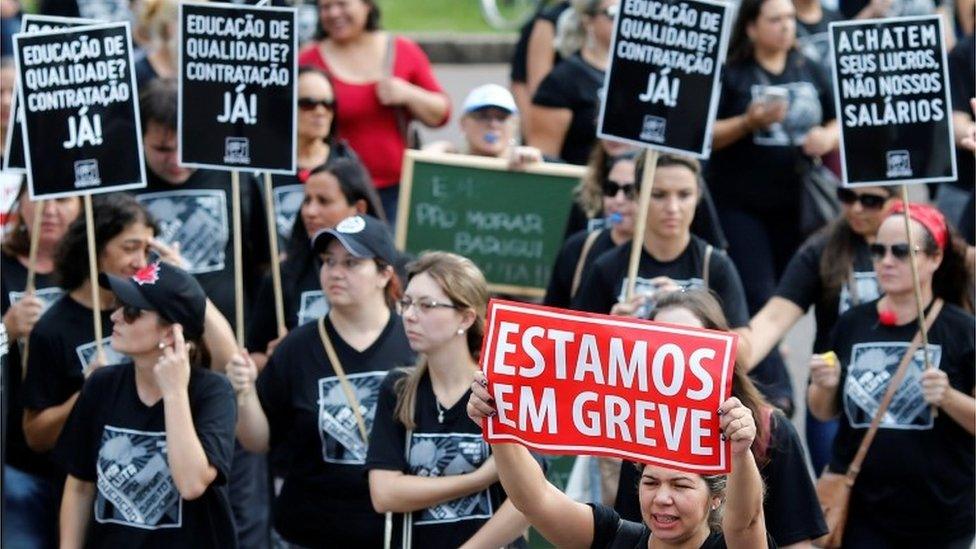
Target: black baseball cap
point(170, 291)
point(363, 236)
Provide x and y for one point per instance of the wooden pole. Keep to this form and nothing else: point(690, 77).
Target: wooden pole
point(235, 200)
point(275, 265)
point(918, 288)
point(35, 239)
point(644, 202)
point(93, 278)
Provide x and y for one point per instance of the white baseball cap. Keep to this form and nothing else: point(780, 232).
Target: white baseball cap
point(489, 95)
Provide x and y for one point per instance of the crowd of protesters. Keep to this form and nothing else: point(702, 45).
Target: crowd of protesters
point(355, 421)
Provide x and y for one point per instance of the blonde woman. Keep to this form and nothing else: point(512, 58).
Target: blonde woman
point(427, 461)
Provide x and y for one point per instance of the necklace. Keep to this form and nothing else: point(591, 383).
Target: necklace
point(440, 411)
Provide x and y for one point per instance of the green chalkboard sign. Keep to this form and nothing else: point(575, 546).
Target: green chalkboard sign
point(510, 223)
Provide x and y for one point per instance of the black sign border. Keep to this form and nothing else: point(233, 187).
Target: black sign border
point(706, 150)
point(135, 112)
point(294, 88)
point(945, 86)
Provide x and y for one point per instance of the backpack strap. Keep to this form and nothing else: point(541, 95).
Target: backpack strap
point(578, 272)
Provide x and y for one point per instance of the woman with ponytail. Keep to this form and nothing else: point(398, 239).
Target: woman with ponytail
point(427, 461)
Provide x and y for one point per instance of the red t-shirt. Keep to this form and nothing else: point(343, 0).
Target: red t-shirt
point(370, 128)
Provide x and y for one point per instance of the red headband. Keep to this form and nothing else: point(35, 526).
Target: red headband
point(930, 218)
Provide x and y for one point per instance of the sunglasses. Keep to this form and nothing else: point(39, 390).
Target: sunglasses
point(899, 251)
point(611, 188)
point(131, 313)
point(868, 201)
point(308, 103)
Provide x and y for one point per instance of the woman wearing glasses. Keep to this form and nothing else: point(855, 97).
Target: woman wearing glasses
point(618, 194)
point(315, 399)
point(318, 144)
point(148, 445)
point(916, 484)
point(427, 461)
point(672, 258)
point(833, 271)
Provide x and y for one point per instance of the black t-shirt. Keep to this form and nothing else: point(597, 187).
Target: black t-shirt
point(325, 495)
point(802, 285)
point(606, 526)
point(62, 345)
point(962, 86)
point(302, 301)
point(145, 73)
point(575, 85)
point(790, 506)
point(917, 480)
point(558, 294)
point(760, 171)
point(603, 284)
point(437, 449)
point(813, 39)
point(117, 442)
point(520, 54)
point(197, 214)
point(12, 284)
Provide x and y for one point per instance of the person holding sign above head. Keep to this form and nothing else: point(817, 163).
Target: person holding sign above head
point(30, 481)
point(331, 193)
point(382, 83)
point(671, 258)
point(678, 509)
point(318, 144)
point(148, 445)
point(562, 118)
point(833, 271)
point(790, 507)
point(427, 462)
point(618, 194)
point(914, 486)
point(489, 122)
point(317, 396)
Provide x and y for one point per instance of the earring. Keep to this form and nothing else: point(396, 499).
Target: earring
point(460, 331)
point(161, 345)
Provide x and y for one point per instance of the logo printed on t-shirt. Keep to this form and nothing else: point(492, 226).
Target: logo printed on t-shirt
point(312, 306)
point(47, 296)
point(803, 113)
point(644, 286)
point(338, 427)
point(87, 353)
point(871, 369)
point(444, 455)
point(195, 219)
point(288, 202)
point(135, 487)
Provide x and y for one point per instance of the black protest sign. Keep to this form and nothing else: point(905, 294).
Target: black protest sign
point(237, 89)
point(13, 147)
point(892, 98)
point(661, 90)
point(81, 115)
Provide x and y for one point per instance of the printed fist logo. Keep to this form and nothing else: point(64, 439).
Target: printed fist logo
point(147, 275)
point(899, 164)
point(237, 150)
point(86, 174)
point(653, 129)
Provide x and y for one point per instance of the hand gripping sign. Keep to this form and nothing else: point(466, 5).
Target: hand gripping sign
point(578, 383)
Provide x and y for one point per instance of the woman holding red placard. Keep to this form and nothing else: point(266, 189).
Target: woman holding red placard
point(426, 459)
point(683, 509)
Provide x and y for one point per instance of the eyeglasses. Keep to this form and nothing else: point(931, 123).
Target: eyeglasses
point(611, 188)
point(309, 103)
point(131, 313)
point(423, 304)
point(899, 251)
point(609, 12)
point(868, 201)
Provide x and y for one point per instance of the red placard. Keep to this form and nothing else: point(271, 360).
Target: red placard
point(566, 382)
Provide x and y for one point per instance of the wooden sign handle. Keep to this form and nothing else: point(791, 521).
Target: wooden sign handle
point(644, 202)
point(235, 201)
point(93, 278)
point(275, 264)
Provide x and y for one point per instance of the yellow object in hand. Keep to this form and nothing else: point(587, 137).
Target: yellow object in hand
point(830, 358)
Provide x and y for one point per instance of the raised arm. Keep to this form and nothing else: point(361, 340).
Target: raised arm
point(742, 519)
point(563, 521)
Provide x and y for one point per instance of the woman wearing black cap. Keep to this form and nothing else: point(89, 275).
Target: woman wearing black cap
point(148, 446)
point(316, 397)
